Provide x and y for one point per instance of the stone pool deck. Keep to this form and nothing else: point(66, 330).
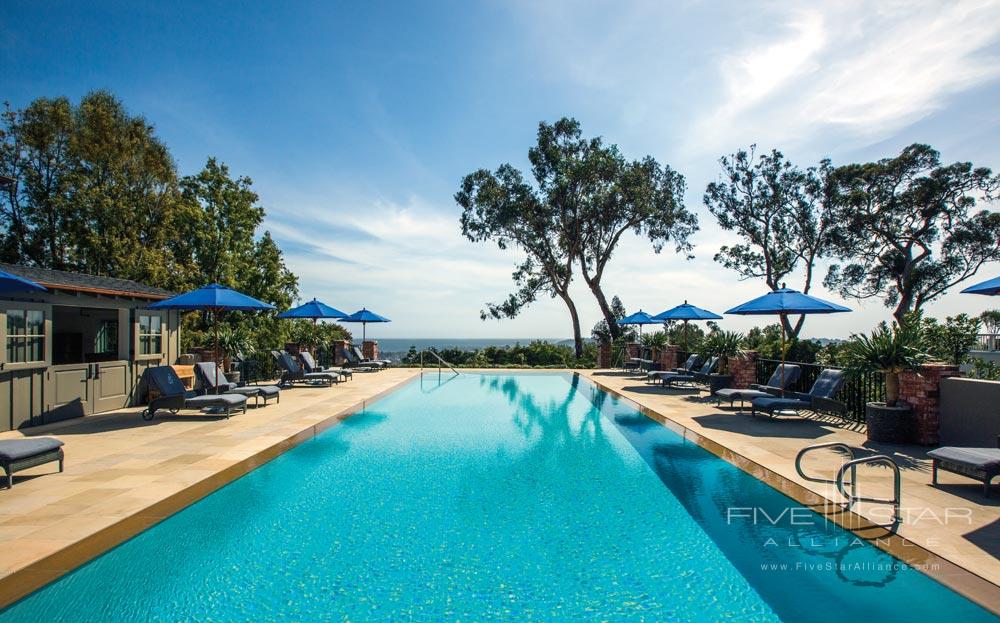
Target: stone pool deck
point(952, 526)
point(124, 474)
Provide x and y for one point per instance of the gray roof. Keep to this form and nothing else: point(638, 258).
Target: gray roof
point(82, 282)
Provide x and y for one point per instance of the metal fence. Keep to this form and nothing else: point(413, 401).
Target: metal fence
point(858, 389)
point(987, 342)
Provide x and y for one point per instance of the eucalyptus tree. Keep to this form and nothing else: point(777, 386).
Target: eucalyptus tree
point(905, 228)
point(502, 207)
point(782, 215)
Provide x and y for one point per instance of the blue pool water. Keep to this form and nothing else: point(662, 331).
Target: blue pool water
point(494, 497)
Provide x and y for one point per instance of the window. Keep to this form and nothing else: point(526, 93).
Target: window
point(106, 341)
point(25, 335)
point(150, 335)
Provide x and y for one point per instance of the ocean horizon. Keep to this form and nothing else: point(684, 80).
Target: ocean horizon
point(402, 345)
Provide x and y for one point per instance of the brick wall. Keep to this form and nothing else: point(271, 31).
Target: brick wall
point(338, 352)
point(921, 390)
point(369, 349)
point(633, 349)
point(744, 370)
point(668, 357)
point(604, 355)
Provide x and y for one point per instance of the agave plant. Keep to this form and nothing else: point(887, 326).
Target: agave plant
point(234, 339)
point(657, 339)
point(889, 350)
point(724, 345)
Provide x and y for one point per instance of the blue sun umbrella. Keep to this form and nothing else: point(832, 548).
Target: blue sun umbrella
point(686, 312)
point(639, 318)
point(782, 303)
point(990, 287)
point(10, 282)
point(313, 310)
point(364, 317)
point(216, 299)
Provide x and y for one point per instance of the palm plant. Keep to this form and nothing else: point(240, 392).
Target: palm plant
point(234, 339)
point(657, 339)
point(724, 345)
point(889, 351)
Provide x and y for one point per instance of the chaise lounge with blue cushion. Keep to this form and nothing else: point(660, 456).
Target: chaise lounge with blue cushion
point(292, 372)
point(692, 362)
point(212, 378)
point(784, 377)
point(20, 454)
point(982, 464)
point(171, 395)
point(821, 396)
point(361, 359)
point(310, 366)
point(692, 378)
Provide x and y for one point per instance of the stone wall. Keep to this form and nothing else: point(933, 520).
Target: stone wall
point(369, 349)
point(921, 390)
point(744, 370)
point(339, 346)
point(668, 357)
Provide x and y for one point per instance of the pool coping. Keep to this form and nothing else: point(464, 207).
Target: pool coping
point(36, 575)
point(963, 581)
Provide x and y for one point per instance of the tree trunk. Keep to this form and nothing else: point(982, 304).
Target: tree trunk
point(577, 337)
point(792, 330)
point(602, 302)
point(891, 388)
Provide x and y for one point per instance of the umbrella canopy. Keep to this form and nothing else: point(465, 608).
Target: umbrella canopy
point(990, 287)
point(784, 302)
point(314, 310)
point(217, 299)
point(640, 318)
point(364, 317)
point(685, 312)
point(213, 297)
point(12, 283)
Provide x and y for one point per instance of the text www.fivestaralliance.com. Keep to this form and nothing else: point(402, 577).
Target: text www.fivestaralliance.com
point(847, 566)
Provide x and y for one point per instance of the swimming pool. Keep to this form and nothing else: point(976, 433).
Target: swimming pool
point(495, 497)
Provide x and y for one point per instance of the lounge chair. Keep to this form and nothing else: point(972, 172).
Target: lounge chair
point(206, 372)
point(693, 361)
point(820, 397)
point(383, 363)
point(352, 360)
point(292, 372)
point(20, 454)
point(173, 396)
point(310, 366)
point(784, 377)
point(692, 378)
point(982, 464)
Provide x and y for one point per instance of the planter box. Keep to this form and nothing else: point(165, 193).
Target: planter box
point(889, 424)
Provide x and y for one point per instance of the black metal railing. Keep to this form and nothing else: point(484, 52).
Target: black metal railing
point(858, 389)
point(987, 342)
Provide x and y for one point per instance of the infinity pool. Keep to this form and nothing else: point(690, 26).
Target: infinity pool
point(495, 497)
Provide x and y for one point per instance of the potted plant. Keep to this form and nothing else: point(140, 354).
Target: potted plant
point(889, 351)
point(725, 345)
point(656, 342)
point(233, 340)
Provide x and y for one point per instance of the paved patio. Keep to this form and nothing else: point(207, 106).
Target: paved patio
point(124, 474)
point(953, 520)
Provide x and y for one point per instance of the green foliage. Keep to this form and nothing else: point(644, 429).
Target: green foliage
point(889, 351)
point(537, 354)
point(905, 229)
point(656, 339)
point(97, 191)
point(780, 213)
point(952, 341)
point(235, 339)
point(767, 341)
point(603, 335)
point(984, 369)
point(725, 345)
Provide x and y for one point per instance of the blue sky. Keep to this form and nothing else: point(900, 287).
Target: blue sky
point(356, 121)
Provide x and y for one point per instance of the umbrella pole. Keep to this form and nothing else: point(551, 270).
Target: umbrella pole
point(781, 321)
point(215, 318)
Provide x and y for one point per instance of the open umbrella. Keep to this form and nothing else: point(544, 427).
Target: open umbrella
point(216, 299)
point(685, 311)
point(990, 287)
point(10, 282)
point(364, 317)
point(784, 302)
point(313, 310)
point(638, 318)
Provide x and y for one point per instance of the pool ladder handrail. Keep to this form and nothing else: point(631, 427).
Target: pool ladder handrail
point(441, 362)
point(852, 466)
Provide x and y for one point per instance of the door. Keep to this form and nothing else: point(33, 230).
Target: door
point(70, 391)
point(112, 386)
